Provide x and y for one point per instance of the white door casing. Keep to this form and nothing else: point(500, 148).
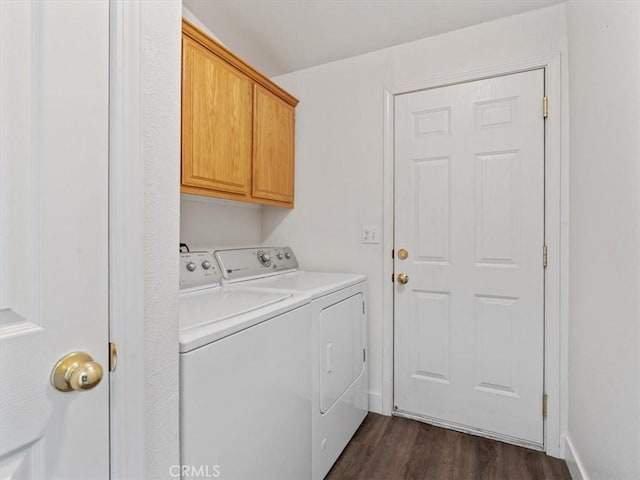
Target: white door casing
point(54, 67)
point(469, 208)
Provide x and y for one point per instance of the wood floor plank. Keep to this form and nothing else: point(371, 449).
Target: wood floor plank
point(429, 457)
point(361, 448)
point(394, 448)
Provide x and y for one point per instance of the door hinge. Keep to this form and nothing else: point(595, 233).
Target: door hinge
point(545, 256)
point(113, 357)
point(545, 107)
point(393, 278)
point(393, 254)
point(363, 308)
point(544, 405)
point(364, 355)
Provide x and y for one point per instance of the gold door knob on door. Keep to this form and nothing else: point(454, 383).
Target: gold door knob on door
point(76, 371)
point(403, 278)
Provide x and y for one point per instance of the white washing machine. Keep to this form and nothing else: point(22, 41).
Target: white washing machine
point(245, 388)
point(339, 340)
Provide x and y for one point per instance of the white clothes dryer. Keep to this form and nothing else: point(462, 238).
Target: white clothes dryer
point(339, 340)
point(245, 406)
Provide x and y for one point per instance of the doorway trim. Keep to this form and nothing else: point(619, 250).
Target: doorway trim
point(556, 238)
point(126, 240)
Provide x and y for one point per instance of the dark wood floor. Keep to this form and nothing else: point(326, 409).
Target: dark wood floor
point(394, 448)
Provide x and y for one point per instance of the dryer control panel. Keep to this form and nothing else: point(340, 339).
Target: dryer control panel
point(247, 263)
point(198, 269)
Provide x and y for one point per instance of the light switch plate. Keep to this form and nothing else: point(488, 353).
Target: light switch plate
point(371, 234)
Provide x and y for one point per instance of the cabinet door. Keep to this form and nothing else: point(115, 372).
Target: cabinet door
point(273, 147)
point(216, 122)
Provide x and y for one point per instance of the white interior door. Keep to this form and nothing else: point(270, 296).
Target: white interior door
point(54, 107)
point(469, 210)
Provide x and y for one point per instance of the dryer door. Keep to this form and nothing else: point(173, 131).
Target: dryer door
point(341, 348)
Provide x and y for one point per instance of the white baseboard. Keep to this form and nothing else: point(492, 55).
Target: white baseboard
point(576, 467)
point(375, 402)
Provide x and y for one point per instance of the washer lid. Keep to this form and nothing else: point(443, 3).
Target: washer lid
point(216, 304)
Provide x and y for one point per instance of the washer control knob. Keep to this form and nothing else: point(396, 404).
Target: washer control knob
point(206, 264)
point(264, 258)
point(280, 256)
point(191, 266)
point(288, 255)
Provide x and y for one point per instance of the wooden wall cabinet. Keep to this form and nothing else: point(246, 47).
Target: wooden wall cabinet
point(238, 127)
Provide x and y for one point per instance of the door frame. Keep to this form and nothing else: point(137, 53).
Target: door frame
point(126, 239)
point(556, 195)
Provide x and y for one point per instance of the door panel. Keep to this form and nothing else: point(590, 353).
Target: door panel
point(469, 208)
point(54, 107)
point(433, 339)
point(433, 199)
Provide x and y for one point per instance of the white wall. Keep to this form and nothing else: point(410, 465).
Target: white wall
point(604, 330)
point(189, 15)
point(339, 143)
point(215, 223)
point(160, 77)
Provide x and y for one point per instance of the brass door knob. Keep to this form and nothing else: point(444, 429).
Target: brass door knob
point(76, 371)
point(403, 278)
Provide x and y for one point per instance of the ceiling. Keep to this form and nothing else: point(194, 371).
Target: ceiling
point(281, 36)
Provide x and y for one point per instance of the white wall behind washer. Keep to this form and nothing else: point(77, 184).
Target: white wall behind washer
point(604, 328)
point(213, 222)
point(339, 143)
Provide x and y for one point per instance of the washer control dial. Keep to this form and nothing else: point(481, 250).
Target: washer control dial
point(280, 256)
point(206, 264)
point(191, 266)
point(287, 255)
point(264, 258)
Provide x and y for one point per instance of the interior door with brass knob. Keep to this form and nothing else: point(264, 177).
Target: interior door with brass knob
point(469, 231)
point(54, 259)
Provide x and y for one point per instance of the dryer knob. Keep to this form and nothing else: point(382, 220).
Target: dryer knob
point(288, 255)
point(206, 264)
point(280, 256)
point(191, 266)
